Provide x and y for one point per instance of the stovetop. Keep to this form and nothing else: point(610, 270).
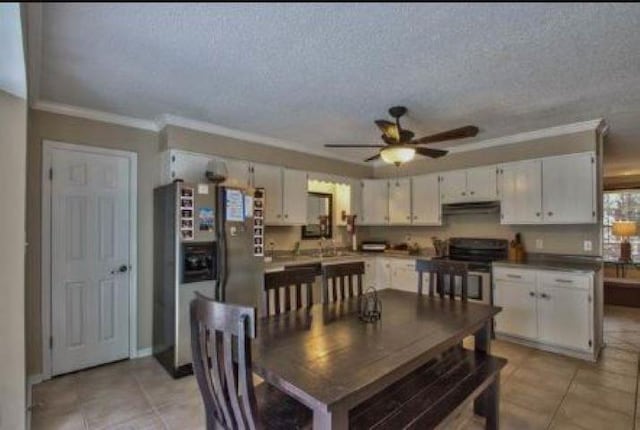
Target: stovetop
point(478, 252)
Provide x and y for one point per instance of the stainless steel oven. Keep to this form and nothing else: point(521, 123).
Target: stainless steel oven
point(478, 287)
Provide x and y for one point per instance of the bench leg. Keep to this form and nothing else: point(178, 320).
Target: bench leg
point(487, 404)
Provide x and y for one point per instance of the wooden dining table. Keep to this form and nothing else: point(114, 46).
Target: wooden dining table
point(330, 360)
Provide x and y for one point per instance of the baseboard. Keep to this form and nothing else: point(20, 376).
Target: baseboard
point(35, 379)
point(144, 352)
point(587, 356)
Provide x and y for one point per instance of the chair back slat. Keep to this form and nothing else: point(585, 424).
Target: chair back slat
point(441, 273)
point(281, 284)
point(338, 279)
point(221, 336)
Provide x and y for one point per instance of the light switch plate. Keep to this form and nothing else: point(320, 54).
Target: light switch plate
point(539, 244)
point(588, 245)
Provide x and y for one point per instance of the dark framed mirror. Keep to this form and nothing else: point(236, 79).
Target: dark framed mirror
point(319, 216)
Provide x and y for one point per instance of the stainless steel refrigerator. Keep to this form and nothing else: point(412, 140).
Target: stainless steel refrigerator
point(206, 241)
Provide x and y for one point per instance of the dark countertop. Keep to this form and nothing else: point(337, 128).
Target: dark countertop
point(563, 263)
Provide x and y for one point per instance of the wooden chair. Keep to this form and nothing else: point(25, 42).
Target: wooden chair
point(441, 271)
point(221, 347)
point(334, 275)
point(284, 281)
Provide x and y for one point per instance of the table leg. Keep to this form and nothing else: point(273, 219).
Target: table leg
point(482, 344)
point(492, 404)
point(330, 420)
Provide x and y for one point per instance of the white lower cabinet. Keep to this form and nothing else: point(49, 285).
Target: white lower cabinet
point(551, 308)
point(369, 279)
point(519, 308)
point(383, 273)
point(564, 310)
point(403, 275)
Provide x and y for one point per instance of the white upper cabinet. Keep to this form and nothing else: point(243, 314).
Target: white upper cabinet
point(425, 197)
point(470, 185)
point(569, 189)
point(482, 183)
point(453, 187)
point(521, 189)
point(270, 178)
point(294, 197)
point(375, 201)
point(400, 201)
point(238, 173)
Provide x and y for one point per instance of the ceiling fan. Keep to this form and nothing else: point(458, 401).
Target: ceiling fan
point(400, 146)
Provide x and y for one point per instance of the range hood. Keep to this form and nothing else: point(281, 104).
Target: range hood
point(471, 208)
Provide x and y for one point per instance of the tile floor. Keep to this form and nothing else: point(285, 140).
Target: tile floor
point(539, 390)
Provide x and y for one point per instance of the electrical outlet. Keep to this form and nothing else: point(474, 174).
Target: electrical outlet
point(539, 244)
point(588, 245)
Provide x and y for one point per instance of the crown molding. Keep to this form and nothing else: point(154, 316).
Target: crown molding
point(591, 125)
point(596, 125)
point(95, 115)
point(207, 127)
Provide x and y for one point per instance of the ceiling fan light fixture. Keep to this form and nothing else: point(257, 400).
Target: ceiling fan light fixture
point(397, 154)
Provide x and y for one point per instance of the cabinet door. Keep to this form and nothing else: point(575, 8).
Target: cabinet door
point(383, 273)
point(425, 200)
point(400, 201)
point(568, 189)
point(369, 273)
point(518, 302)
point(482, 184)
point(270, 178)
point(341, 202)
point(453, 187)
point(404, 276)
point(521, 188)
point(356, 199)
point(188, 166)
point(375, 201)
point(237, 173)
point(294, 197)
point(563, 315)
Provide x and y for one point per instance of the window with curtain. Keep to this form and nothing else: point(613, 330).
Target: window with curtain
point(620, 205)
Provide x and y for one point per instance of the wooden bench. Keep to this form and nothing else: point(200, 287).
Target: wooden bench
point(622, 292)
point(427, 396)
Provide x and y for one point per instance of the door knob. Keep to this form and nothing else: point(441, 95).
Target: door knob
point(122, 269)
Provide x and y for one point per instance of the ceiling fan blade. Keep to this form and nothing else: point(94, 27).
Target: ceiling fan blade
point(430, 152)
point(336, 145)
point(375, 157)
point(389, 129)
point(456, 133)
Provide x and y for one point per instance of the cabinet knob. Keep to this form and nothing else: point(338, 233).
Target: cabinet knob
point(472, 192)
point(550, 213)
point(415, 217)
point(278, 216)
point(286, 216)
point(532, 294)
point(463, 193)
point(537, 213)
point(545, 296)
point(408, 217)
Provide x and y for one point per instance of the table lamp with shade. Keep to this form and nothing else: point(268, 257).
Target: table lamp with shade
point(625, 229)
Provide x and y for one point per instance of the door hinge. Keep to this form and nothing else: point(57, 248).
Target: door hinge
point(590, 343)
point(589, 299)
point(50, 342)
point(593, 160)
point(50, 174)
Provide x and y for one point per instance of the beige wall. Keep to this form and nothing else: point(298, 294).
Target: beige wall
point(557, 239)
point(13, 143)
point(48, 126)
point(204, 143)
point(556, 145)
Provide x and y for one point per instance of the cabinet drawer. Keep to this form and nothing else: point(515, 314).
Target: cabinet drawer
point(565, 279)
point(514, 275)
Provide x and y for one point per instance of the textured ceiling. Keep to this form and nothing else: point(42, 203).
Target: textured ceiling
point(320, 73)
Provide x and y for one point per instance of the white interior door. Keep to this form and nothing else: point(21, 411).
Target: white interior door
point(90, 259)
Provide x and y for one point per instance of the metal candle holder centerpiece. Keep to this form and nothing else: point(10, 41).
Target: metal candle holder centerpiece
point(369, 306)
